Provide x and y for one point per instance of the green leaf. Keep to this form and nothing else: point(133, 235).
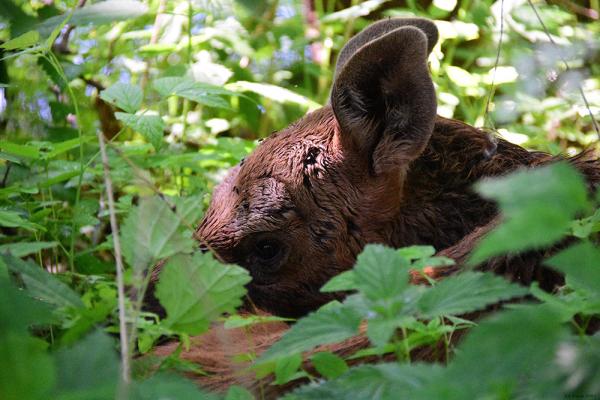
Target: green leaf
point(286, 368)
point(328, 364)
point(21, 42)
point(22, 249)
point(42, 285)
point(238, 393)
point(381, 273)
point(25, 151)
point(275, 93)
point(202, 93)
point(13, 219)
point(466, 292)
point(89, 369)
point(373, 382)
point(123, 95)
point(196, 290)
point(18, 312)
point(150, 126)
point(167, 386)
point(538, 206)
point(327, 325)
point(238, 321)
point(104, 12)
point(416, 252)
point(504, 352)
point(344, 281)
point(581, 264)
point(26, 370)
point(152, 232)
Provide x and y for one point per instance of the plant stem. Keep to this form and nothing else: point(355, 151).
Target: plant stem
point(119, 263)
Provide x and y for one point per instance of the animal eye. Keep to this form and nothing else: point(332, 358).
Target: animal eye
point(267, 249)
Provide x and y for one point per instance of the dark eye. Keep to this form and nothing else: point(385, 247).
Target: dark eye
point(267, 249)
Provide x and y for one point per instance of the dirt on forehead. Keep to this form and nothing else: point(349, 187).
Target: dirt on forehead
point(282, 154)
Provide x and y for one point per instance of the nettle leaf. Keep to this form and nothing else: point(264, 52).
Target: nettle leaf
point(88, 369)
point(123, 95)
point(275, 93)
point(328, 364)
point(42, 285)
point(581, 264)
point(168, 386)
point(197, 289)
point(104, 12)
point(329, 324)
point(21, 42)
point(538, 206)
point(13, 219)
point(286, 368)
point(22, 249)
point(152, 232)
point(150, 126)
point(381, 272)
point(466, 292)
point(344, 281)
point(202, 93)
point(504, 352)
point(382, 381)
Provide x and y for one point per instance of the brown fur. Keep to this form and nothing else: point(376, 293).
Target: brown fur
point(375, 166)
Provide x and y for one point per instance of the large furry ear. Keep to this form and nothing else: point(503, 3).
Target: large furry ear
point(383, 97)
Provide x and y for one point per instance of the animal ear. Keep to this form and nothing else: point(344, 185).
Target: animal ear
point(382, 96)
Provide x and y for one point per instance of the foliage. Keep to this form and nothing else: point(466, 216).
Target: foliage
point(182, 90)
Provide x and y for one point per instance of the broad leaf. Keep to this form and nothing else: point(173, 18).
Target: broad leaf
point(42, 285)
point(167, 386)
point(21, 42)
point(150, 126)
point(381, 273)
point(286, 368)
point(13, 219)
point(22, 249)
point(344, 281)
point(377, 382)
point(466, 292)
point(538, 206)
point(197, 289)
point(327, 325)
point(123, 95)
point(89, 369)
point(328, 364)
point(202, 93)
point(581, 264)
point(152, 232)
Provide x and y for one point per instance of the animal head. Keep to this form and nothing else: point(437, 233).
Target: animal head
point(299, 209)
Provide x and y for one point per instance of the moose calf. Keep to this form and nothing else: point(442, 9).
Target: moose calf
point(376, 165)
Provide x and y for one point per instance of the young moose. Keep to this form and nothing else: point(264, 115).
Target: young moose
point(376, 165)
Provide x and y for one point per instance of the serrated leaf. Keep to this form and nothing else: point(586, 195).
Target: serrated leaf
point(195, 290)
point(13, 219)
point(202, 93)
point(538, 206)
point(275, 93)
point(373, 382)
point(581, 264)
point(104, 12)
point(123, 95)
point(381, 272)
point(326, 325)
point(344, 281)
point(18, 311)
point(152, 232)
point(167, 386)
point(42, 285)
point(89, 369)
point(21, 150)
point(21, 42)
point(22, 249)
point(328, 364)
point(150, 126)
point(286, 368)
point(466, 292)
